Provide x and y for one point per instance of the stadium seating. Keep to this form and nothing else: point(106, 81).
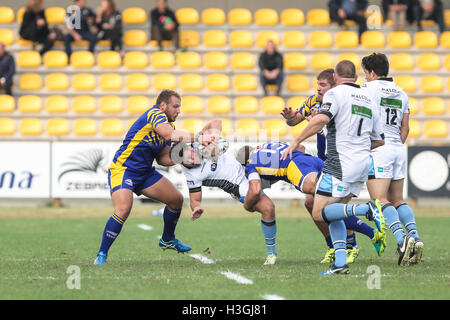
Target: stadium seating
point(84, 127)
point(428, 61)
point(245, 104)
point(55, 59)
point(110, 105)
point(425, 40)
point(134, 16)
point(435, 129)
point(29, 104)
point(219, 105)
point(30, 81)
point(187, 16)
point(83, 82)
point(244, 82)
point(112, 127)
point(57, 104)
point(192, 105)
point(433, 106)
point(30, 127)
point(294, 39)
point(292, 17)
point(373, 39)
point(399, 40)
point(189, 60)
point(164, 81)
point(214, 38)
point(6, 36)
point(82, 59)
point(57, 127)
point(215, 60)
point(137, 104)
point(6, 15)
point(241, 39)
point(109, 60)
point(57, 82)
point(28, 59)
point(266, 17)
point(247, 127)
point(137, 82)
point(83, 104)
point(7, 103)
point(135, 60)
point(213, 17)
point(7, 126)
point(240, 17)
point(55, 15)
point(402, 61)
point(244, 60)
point(191, 82)
point(318, 17)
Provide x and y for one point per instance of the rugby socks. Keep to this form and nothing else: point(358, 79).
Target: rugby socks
point(338, 234)
point(406, 216)
point(269, 229)
point(340, 211)
point(112, 229)
point(170, 217)
point(351, 240)
point(356, 224)
point(329, 242)
point(393, 222)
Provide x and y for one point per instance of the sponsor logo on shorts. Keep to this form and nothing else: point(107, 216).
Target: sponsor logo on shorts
point(129, 182)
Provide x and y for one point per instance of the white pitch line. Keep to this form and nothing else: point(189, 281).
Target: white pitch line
point(202, 259)
point(236, 277)
point(272, 297)
point(145, 227)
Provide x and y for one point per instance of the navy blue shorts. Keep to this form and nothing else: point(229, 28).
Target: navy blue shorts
point(121, 177)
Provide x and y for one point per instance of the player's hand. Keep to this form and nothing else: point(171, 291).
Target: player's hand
point(288, 152)
point(288, 113)
point(205, 139)
point(196, 213)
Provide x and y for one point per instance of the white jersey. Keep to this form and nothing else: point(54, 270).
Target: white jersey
point(392, 102)
point(354, 122)
point(225, 173)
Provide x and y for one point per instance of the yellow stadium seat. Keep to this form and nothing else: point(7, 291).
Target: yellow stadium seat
point(245, 82)
point(137, 104)
point(399, 40)
point(110, 105)
point(6, 36)
point(402, 61)
point(29, 104)
point(19, 16)
point(82, 59)
point(84, 127)
point(414, 129)
point(242, 60)
point(298, 82)
point(7, 127)
point(189, 38)
point(191, 82)
point(320, 39)
point(431, 83)
point(57, 127)
point(247, 127)
point(245, 104)
point(30, 127)
point(296, 130)
point(239, 17)
point(189, 60)
point(164, 81)
point(135, 60)
point(7, 103)
point(413, 106)
point(353, 57)
point(373, 39)
point(274, 128)
point(83, 82)
point(162, 60)
point(318, 17)
point(447, 61)
point(30, 81)
point(187, 16)
point(217, 82)
point(292, 17)
point(426, 40)
point(445, 40)
point(241, 39)
point(295, 102)
point(213, 17)
point(219, 105)
point(133, 15)
point(447, 17)
point(29, 59)
point(137, 82)
point(191, 105)
point(435, 129)
point(406, 82)
point(263, 36)
point(109, 60)
point(295, 61)
point(6, 15)
point(322, 60)
point(192, 125)
point(215, 60)
point(57, 104)
point(111, 127)
point(428, 61)
point(272, 104)
point(135, 38)
point(266, 17)
point(227, 127)
point(83, 104)
point(433, 106)
point(294, 39)
point(57, 81)
point(55, 15)
point(55, 59)
point(110, 82)
point(347, 39)
point(214, 38)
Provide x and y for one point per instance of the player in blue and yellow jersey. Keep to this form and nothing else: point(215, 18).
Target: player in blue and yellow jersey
point(310, 108)
point(131, 170)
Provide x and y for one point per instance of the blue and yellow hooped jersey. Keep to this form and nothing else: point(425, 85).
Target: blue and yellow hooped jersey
point(309, 105)
point(142, 143)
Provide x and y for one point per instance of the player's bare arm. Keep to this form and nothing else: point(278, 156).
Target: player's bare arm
point(293, 117)
point(376, 143)
point(166, 131)
point(195, 203)
point(404, 129)
point(163, 158)
point(253, 195)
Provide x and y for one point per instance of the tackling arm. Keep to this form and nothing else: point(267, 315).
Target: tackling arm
point(253, 195)
point(195, 202)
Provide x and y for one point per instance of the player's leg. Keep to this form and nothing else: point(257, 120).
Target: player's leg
point(269, 226)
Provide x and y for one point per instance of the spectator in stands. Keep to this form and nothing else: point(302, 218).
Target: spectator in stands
point(164, 24)
point(80, 24)
point(341, 10)
point(396, 11)
point(428, 10)
point(34, 26)
point(109, 22)
point(7, 69)
point(271, 66)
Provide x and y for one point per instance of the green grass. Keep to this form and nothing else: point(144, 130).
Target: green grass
point(38, 245)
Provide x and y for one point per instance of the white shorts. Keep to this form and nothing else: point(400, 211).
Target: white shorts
point(333, 187)
point(389, 162)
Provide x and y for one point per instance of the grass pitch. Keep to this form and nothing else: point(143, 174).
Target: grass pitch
point(39, 244)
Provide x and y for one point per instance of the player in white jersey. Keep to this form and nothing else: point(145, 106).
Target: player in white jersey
point(389, 161)
point(353, 129)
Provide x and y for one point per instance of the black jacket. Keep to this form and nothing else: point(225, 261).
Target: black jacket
point(270, 62)
point(156, 17)
point(7, 68)
point(334, 5)
point(29, 29)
